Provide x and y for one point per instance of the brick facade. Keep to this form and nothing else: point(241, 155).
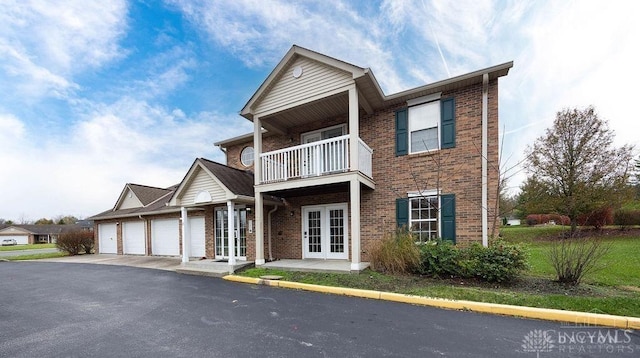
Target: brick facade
point(455, 171)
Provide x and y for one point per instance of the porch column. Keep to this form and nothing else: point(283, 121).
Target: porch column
point(259, 229)
point(257, 150)
point(354, 129)
point(257, 174)
point(232, 232)
point(354, 196)
point(186, 235)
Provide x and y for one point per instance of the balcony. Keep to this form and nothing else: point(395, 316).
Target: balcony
point(324, 157)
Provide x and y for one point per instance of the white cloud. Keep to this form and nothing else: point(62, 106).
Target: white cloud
point(41, 42)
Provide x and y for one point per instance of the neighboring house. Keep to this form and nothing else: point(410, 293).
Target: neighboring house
point(332, 166)
point(36, 234)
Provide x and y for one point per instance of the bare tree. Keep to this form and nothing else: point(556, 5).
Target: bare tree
point(577, 165)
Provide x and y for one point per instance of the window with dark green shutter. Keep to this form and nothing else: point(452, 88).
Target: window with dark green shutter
point(402, 212)
point(427, 124)
point(402, 132)
point(448, 217)
point(448, 123)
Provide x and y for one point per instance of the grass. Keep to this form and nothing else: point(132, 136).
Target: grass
point(27, 247)
point(48, 255)
point(614, 289)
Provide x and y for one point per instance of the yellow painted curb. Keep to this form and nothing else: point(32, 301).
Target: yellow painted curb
point(577, 318)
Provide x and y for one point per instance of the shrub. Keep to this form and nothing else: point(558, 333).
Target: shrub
point(597, 218)
point(573, 258)
point(73, 242)
point(396, 253)
point(500, 262)
point(439, 259)
point(535, 219)
point(626, 217)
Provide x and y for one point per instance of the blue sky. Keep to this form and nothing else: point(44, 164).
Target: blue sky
point(94, 95)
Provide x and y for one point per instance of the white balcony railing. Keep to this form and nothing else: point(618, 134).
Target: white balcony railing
point(323, 157)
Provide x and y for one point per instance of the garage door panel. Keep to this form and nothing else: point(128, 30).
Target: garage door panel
point(107, 239)
point(196, 228)
point(133, 238)
point(165, 237)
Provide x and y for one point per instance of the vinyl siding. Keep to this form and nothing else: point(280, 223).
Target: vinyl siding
point(203, 181)
point(316, 79)
point(130, 202)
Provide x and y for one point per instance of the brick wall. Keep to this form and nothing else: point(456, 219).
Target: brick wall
point(455, 171)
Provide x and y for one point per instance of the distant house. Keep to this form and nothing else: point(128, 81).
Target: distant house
point(332, 165)
point(36, 234)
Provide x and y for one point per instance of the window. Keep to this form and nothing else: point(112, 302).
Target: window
point(423, 218)
point(246, 156)
point(429, 123)
point(424, 130)
point(428, 216)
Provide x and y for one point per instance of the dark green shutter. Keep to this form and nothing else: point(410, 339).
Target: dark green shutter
point(448, 217)
point(402, 212)
point(448, 122)
point(402, 132)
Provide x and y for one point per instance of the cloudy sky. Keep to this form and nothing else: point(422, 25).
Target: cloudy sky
point(96, 94)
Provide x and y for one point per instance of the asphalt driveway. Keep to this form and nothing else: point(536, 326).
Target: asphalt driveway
point(82, 310)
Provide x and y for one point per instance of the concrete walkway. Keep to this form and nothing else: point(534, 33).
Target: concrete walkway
point(201, 268)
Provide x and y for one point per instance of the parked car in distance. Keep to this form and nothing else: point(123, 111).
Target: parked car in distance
point(9, 242)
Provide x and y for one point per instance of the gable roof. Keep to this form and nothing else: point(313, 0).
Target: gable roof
point(228, 183)
point(156, 199)
point(143, 193)
point(282, 103)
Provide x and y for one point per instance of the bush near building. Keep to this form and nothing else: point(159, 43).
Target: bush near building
point(75, 242)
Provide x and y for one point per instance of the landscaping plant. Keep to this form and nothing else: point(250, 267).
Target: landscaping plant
point(396, 253)
point(74, 242)
point(573, 258)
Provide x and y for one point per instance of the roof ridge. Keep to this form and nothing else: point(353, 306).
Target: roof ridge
point(226, 166)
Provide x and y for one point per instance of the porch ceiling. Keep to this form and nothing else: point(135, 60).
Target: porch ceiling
point(325, 108)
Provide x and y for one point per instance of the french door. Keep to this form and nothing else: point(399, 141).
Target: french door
point(222, 233)
point(324, 231)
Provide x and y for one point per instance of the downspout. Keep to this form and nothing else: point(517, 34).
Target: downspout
point(485, 156)
point(269, 230)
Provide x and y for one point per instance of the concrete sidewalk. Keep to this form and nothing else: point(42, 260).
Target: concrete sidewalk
point(201, 268)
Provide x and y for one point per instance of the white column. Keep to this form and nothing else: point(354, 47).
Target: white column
point(354, 129)
point(257, 169)
point(259, 230)
point(232, 232)
point(354, 195)
point(186, 235)
point(257, 150)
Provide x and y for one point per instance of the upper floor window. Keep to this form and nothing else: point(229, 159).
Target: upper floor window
point(324, 133)
point(429, 123)
point(424, 128)
point(246, 156)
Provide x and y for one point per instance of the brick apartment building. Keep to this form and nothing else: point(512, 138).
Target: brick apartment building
point(331, 166)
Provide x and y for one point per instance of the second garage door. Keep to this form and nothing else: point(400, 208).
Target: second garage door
point(133, 239)
point(165, 237)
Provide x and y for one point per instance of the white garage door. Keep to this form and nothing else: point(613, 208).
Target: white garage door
point(107, 239)
point(196, 227)
point(20, 239)
point(165, 237)
point(133, 240)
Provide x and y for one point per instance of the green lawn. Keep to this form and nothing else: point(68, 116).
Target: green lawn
point(48, 255)
point(27, 247)
point(614, 289)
